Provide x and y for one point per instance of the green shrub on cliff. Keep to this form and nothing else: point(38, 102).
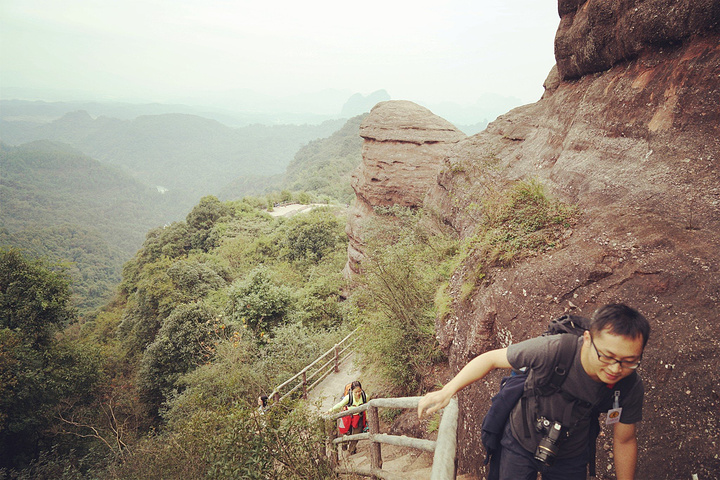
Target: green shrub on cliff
point(517, 221)
point(407, 258)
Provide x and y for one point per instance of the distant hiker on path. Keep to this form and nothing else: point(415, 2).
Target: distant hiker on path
point(551, 430)
point(262, 404)
point(355, 423)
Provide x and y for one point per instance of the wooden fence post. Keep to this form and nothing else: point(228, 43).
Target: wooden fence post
point(375, 447)
point(337, 358)
point(332, 450)
point(304, 384)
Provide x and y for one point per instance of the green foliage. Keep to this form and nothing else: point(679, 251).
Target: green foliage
point(153, 298)
point(311, 236)
point(34, 301)
point(197, 275)
point(172, 346)
point(61, 204)
point(202, 219)
point(230, 443)
point(183, 342)
point(402, 271)
point(324, 166)
point(518, 221)
point(187, 154)
point(211, 430)
point(318, 301)
point(259, 303)
point(90, 261)
point(39, 368)
point(292, 347)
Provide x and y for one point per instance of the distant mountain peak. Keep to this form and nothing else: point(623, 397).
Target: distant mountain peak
point(358, 103)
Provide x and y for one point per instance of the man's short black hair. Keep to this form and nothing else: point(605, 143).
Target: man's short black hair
point(621, 320)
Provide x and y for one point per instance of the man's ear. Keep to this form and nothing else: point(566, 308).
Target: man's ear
point(586, 336)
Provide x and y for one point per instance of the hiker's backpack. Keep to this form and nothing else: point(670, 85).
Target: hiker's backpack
point(355, 420)
point(512, 390)
point(350, 399)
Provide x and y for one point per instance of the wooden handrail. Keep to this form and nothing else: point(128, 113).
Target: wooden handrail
point(303, 378)
point(444, 448)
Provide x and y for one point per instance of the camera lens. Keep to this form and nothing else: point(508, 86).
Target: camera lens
point(548, 448)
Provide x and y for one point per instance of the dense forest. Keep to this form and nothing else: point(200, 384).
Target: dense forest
point(185, 155)
point(211, 312)
point(59, 203)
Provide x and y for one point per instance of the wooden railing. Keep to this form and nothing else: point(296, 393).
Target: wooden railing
point(443, 448)
point(310, 376)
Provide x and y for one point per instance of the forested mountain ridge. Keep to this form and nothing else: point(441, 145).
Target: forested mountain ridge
point(186, 154)
point(321, 168)
point(58, 203)
point(325, 166)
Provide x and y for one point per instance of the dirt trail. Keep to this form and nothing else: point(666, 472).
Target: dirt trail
point(329, 391)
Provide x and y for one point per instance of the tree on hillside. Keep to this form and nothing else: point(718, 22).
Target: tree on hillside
point(37, 368)
point(258, 303)
point(183, 343)
point(202, 219)
point(311, 236)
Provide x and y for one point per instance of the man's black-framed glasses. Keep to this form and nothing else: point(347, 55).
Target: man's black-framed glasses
point(606, 360)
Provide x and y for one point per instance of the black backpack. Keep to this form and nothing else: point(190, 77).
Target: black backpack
point(512, 390)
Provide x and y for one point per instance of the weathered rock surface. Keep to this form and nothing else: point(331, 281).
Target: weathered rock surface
point(634, 141)
point(405, 145)
point(594, 35)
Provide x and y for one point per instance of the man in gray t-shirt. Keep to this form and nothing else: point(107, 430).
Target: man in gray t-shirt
point(538, 354)
point(610, 351)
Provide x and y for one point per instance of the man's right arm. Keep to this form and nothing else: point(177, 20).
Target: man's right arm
point(476, 369)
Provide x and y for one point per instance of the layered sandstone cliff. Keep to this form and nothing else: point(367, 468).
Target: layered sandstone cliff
point(629, 130)
point(405, 145)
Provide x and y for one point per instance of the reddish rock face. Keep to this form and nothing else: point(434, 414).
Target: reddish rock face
point(637, 148)
point(594, 35)
point(405, 145)
point(628, 130)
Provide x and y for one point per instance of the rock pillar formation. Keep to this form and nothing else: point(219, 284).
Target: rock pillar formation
point(404, 146)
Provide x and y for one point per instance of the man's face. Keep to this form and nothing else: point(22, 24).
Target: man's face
point(608, 358)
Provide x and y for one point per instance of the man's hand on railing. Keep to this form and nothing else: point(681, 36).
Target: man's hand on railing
point(434, 401)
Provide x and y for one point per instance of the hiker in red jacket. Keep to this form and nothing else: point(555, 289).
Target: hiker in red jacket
point(355, 423)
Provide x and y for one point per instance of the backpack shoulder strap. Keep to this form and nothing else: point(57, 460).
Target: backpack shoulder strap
point(564, 358)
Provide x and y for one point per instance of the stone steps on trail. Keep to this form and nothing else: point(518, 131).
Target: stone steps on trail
point(406, 463)
point(414, 465)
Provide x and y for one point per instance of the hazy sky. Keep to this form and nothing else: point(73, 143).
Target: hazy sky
point(184, 50)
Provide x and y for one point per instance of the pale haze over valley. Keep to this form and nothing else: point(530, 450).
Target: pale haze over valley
point(277, 55)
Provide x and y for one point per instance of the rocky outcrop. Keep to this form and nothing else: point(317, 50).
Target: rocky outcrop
point(594, 35)
point(637, 149)
point(404, 146)
point(629, 131)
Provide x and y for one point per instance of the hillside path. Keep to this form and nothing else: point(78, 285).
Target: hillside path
point(294, 209)
point(409, 462)
point(329, 391)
